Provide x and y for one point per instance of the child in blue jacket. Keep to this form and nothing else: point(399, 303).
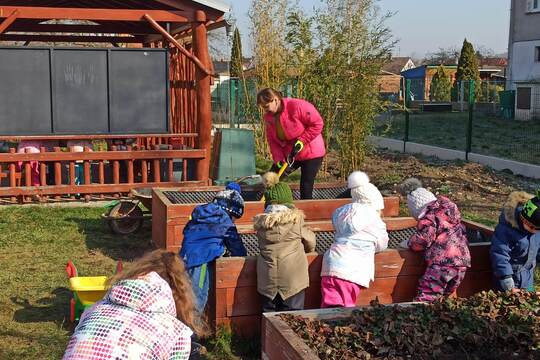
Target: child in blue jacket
point(515, 244)
point(207, 235)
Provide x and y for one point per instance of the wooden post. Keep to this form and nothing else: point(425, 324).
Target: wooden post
point(87, 173)
point(130, 177)
point(115, 168)
point(27, 170)
point(170, 164)
point(57, 171)
point(156, 169)
point(42, 169)
point(12, 174)
point(204, 114)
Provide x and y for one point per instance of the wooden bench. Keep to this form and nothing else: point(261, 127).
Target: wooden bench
point(234, 301)
point(169, 219)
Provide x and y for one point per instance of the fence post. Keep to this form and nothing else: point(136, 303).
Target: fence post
point(406, 107)
point(470, 122)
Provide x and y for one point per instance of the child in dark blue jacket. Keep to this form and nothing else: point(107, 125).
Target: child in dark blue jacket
point(208, 233)
point(515, 244)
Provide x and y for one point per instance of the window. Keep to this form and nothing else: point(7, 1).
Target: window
point(524, 98)
point(533, 5)
point(537, 54)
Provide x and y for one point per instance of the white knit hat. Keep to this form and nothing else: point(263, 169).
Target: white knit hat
point(418, 199)
point(364, 192)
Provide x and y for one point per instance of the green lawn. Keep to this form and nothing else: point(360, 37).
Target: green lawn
point(511, 139)
point(35, 244)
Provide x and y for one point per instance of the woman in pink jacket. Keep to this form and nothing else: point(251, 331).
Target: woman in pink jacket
point(294, 133)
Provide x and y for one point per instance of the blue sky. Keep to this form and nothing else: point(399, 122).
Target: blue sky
point(423, 26)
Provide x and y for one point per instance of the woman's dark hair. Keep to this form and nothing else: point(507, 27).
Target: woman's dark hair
point(266, 95)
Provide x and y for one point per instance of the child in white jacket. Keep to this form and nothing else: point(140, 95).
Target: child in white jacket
point(349, 263)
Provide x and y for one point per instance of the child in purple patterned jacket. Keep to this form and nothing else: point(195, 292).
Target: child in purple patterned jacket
point(442, 238)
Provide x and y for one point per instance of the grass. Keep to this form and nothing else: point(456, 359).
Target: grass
point(225, 345)
point(511, 139)
point(35, 244)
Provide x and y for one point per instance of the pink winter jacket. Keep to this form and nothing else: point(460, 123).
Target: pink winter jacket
point(300, 120)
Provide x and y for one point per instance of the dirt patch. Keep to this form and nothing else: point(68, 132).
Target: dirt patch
point(478, 190)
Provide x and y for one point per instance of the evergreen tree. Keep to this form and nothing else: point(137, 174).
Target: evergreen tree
point(236, 55)
point(468, 70)
point(441, 86)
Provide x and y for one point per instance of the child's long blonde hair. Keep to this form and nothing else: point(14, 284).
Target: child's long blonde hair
point(171, 269)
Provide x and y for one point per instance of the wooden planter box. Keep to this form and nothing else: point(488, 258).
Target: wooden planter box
point(169, 219)
point(235, 303)
point(279, 341)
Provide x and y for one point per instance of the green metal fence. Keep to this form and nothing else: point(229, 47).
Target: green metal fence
point(479, 117)
point(230, 96)
point(483, 127)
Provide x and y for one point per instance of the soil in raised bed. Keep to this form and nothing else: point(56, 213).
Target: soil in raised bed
point(485, 326)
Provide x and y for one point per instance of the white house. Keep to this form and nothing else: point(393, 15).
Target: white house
point(524, 57)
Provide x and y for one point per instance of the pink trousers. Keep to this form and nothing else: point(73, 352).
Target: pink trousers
point(338, 292)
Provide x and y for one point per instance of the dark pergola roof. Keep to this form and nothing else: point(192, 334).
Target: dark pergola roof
point(115, 21)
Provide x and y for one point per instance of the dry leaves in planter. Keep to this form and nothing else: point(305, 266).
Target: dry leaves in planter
point(485, 326)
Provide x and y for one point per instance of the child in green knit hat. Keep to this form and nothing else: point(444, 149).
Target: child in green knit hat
point(284, 240)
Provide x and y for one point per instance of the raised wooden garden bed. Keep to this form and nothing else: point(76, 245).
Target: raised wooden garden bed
point(170, 215)
point(235, 303)
point(487, 325)
point(233, 299)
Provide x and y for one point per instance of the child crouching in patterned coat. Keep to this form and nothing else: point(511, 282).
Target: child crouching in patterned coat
point(148, 313)
point(442, 238)
point(349, 265)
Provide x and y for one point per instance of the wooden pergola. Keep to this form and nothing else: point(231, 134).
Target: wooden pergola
point(179, 24)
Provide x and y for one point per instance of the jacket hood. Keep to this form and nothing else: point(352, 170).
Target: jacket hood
point(453, 215)
point(351, 219)
point(209, 214)
point(148, 293)
point(513, 205)
point(269, 220)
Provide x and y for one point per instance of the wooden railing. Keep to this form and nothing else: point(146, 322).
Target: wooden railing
point(82, 174)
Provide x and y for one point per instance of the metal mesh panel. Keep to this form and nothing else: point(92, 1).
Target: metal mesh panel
point(192, 197)
point(322, 193)
point(195, 197)
point(476, 236)
point(325, 239)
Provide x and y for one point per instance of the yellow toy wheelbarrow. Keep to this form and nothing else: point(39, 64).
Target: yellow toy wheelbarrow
point(86, 290)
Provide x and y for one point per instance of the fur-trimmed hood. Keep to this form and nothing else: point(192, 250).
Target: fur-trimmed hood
point(269, 220)
point(515, 200)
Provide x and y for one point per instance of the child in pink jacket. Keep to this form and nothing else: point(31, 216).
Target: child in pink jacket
point(441, 237)
point(294, 133)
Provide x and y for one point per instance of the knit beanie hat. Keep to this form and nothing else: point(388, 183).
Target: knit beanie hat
point(231, 201)
point(364, 192)
point(276, 192)
point(531, 211)
point(233, 186)
point(417, 196)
